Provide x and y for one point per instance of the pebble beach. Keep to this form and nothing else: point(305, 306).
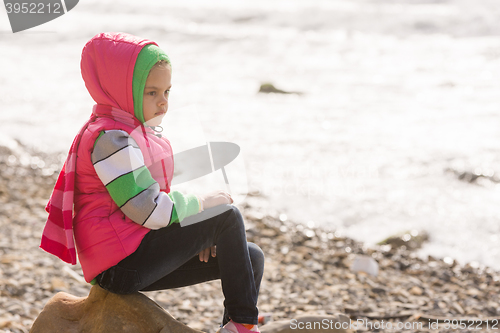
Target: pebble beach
point(307, 270)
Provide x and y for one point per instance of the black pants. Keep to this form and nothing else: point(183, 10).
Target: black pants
point(168, 258)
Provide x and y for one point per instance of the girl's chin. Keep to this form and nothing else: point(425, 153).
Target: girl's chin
point(156, 121)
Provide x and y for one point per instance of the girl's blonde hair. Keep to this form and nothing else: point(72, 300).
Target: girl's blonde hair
point(162, 63)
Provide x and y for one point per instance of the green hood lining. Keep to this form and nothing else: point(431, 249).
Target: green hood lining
point(146, 59)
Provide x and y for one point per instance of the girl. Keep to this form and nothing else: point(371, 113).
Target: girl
point(112, 200)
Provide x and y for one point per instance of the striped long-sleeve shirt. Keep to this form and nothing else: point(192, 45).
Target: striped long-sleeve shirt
point(119, 163)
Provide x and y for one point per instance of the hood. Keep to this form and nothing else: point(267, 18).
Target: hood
point(107, 65)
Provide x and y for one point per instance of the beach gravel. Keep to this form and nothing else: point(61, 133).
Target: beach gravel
point(307, 270)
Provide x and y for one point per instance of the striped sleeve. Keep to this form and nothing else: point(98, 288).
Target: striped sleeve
point(119, 164)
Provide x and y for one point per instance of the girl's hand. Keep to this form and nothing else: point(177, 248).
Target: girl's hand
point(205, 253)
point(216, 198)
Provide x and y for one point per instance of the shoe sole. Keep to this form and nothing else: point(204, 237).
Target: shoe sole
point(223, 330)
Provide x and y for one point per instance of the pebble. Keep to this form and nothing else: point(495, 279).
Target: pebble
point(365, 264)
point(416, 291)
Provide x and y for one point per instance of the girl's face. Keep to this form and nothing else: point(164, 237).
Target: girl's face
point(155, 99)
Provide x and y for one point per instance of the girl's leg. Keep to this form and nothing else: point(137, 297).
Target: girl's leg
point(165, 250)
point(194, 271)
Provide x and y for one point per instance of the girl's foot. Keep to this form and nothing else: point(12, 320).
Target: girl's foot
point(233, 327)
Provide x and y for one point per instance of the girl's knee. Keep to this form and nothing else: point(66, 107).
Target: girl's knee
point(236, 212)
point(235, 216)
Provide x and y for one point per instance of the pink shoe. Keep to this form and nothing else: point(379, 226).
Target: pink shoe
point(233, 327)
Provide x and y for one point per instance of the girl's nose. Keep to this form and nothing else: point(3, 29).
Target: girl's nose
point(163, 100)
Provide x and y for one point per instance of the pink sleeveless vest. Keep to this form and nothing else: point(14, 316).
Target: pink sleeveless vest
point(103, 234)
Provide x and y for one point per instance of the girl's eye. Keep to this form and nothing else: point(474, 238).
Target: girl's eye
point(167, 92)
point(151, 93)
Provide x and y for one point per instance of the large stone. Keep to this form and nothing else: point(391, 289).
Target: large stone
point(339, 323)
point(102, 311)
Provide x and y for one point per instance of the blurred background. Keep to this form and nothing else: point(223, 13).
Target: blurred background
point(393, 126)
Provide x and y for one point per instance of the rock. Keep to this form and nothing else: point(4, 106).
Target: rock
point(58, 284)
point(310, 324)
point(365, 264)
point(102, 311)
point(416, 291)
point(411, 240)
point(458, 307)
point(473, 176)
point(270, 88)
